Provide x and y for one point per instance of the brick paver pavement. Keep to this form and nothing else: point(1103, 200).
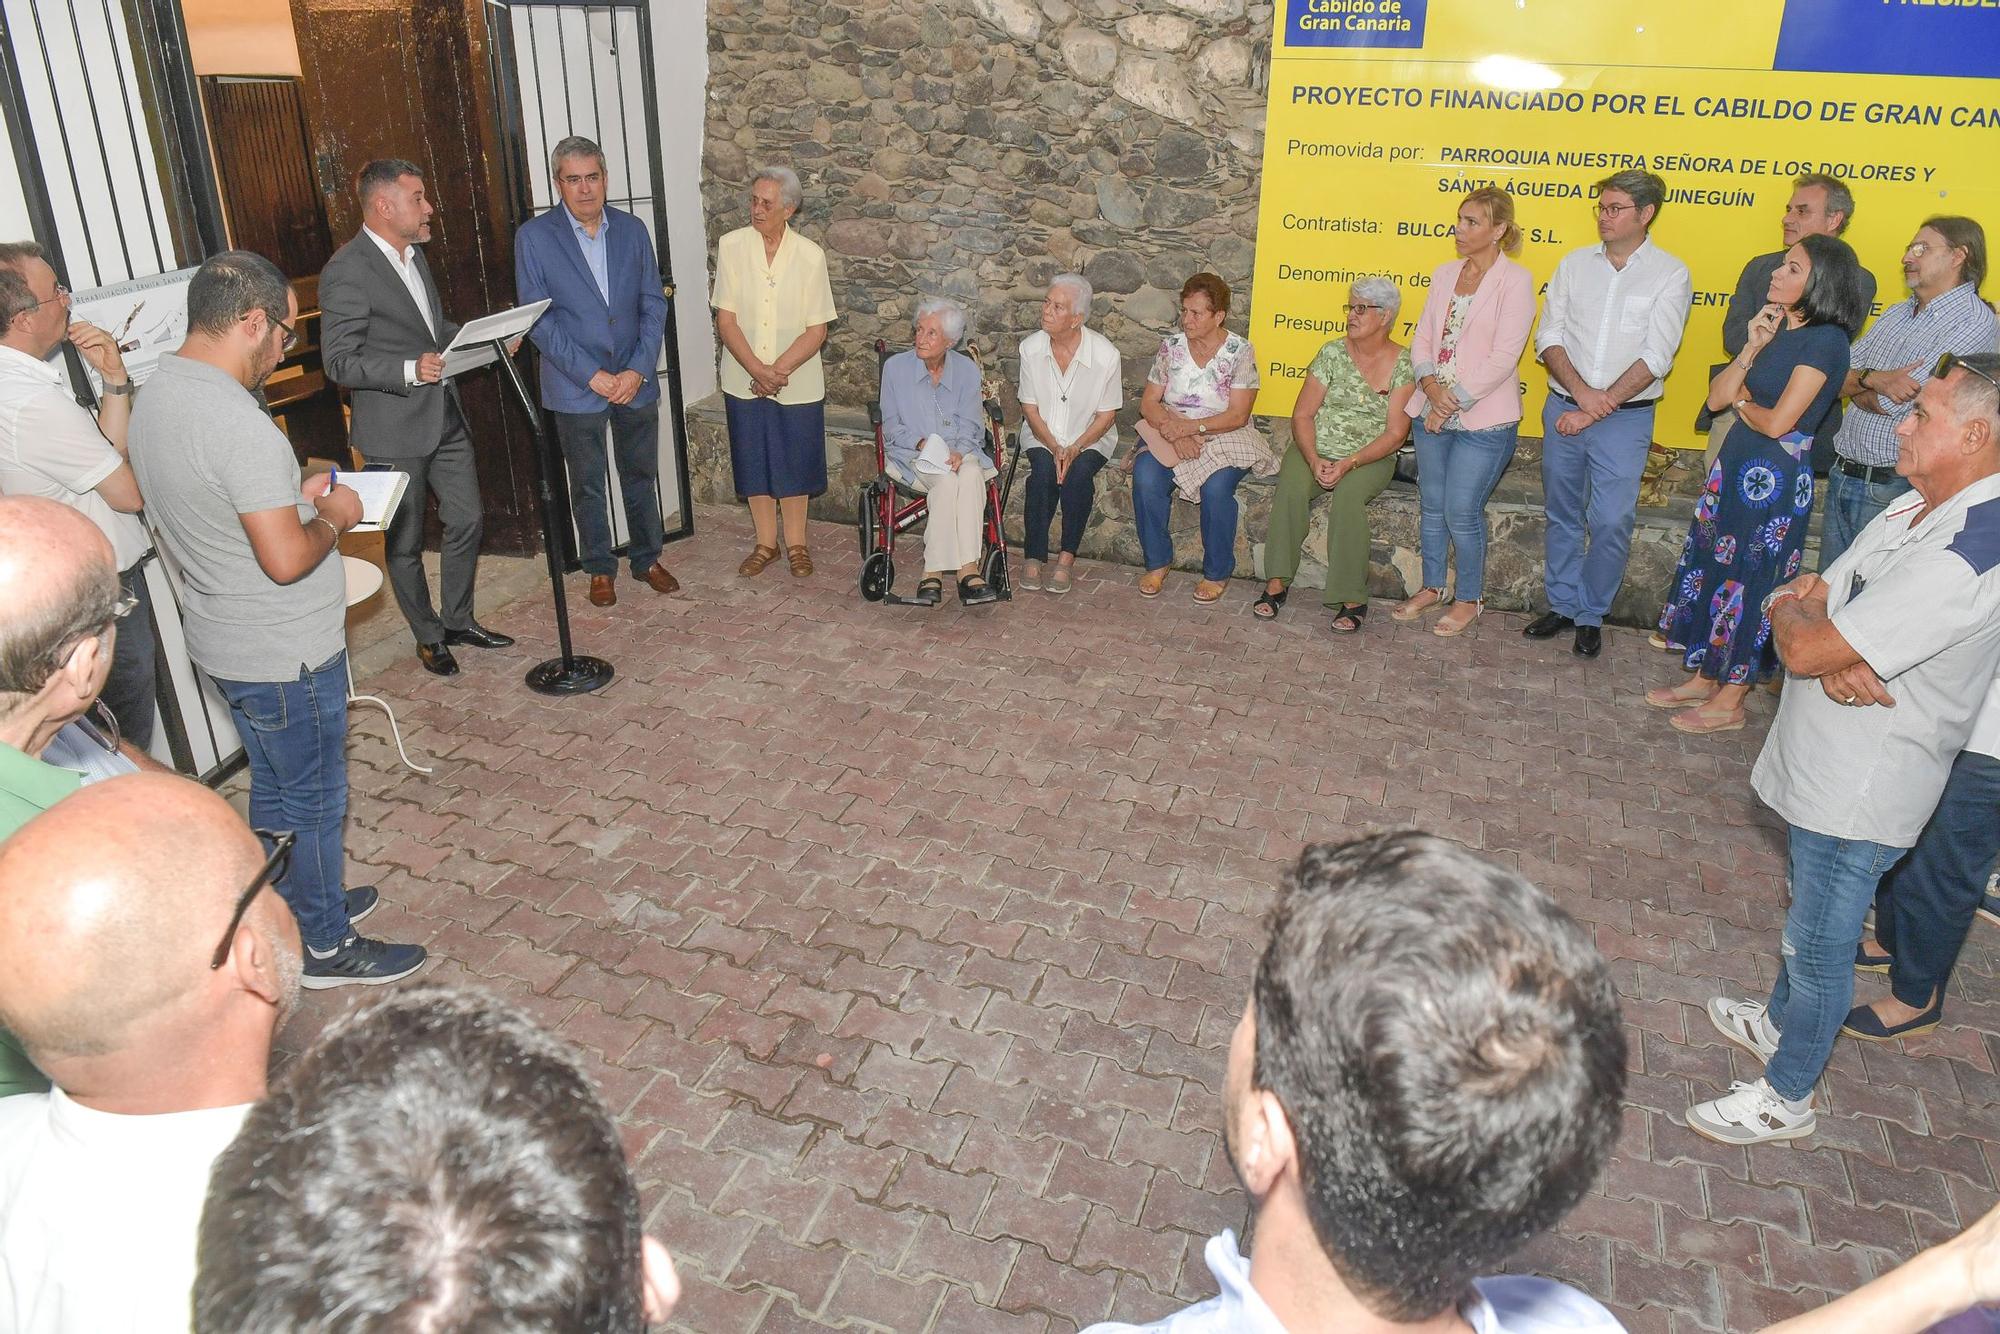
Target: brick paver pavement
point(906, 944)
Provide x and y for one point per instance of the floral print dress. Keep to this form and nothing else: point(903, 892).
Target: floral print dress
point(1749, 528)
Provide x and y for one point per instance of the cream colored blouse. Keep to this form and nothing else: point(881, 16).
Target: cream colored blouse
point(773, 304)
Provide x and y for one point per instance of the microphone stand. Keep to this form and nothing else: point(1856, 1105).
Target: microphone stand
point(571, 673)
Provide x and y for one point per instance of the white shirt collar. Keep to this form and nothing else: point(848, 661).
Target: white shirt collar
point(401, 259)
point(50, 369)
point(1086, 348)
point(1643, 247)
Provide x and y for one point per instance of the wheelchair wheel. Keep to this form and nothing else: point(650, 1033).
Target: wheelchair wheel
point(996, 572)
point(865, 522)
point(878, 572)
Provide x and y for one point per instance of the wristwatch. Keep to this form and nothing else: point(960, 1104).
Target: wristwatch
point(125, 390)
point(1202, 427)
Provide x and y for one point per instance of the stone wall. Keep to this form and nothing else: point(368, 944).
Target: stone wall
point(976, 148)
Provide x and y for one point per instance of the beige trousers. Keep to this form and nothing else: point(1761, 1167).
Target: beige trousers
point(953, 532)
point(1718, 431)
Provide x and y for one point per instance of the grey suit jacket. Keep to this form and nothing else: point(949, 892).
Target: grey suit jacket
point(369, 327)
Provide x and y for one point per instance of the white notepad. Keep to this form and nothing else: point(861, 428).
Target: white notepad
point(380, 492)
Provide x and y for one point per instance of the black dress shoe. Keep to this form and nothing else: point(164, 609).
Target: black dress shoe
point(1589, 641)
point(975, 595)
point(437, 659)
point(478, 636)
point(1547, 626)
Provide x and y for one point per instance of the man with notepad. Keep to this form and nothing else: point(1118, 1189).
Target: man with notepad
point(264, 600)
point(384, 333)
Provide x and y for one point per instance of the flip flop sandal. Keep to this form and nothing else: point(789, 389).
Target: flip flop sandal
point(1266, 607)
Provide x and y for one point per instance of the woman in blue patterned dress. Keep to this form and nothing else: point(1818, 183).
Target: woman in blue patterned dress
point(1749, 527)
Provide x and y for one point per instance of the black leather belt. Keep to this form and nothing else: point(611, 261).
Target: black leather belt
point(1622, 407)
point(1849, 468)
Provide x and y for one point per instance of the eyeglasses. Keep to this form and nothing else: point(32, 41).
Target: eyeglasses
point(1917, 249)
point(1357, 307)
point(1951, 361)
point(1613, 210)
point(62, 294)
point(273, 871)
point(292, 339)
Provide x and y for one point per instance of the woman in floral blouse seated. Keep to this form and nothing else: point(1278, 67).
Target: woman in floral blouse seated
point(1347, 424)
point(1195, 425)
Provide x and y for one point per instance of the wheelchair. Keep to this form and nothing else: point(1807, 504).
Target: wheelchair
point(888, 507)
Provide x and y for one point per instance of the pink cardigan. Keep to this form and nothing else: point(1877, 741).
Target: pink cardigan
point(1489, 347)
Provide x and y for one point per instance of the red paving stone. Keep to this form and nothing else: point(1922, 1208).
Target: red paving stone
point(906, 944)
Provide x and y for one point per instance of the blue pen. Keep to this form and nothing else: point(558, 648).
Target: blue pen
point(332, 478)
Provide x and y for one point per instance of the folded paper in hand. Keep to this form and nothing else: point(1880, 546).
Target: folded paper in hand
point(934, 455)
point(380, 492)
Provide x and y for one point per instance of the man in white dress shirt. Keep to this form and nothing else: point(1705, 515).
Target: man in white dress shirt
point(1426, 1076)
point(145, 963)
point(1610, 327)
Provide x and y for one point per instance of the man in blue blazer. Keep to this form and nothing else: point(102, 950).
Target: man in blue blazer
point(600, 346)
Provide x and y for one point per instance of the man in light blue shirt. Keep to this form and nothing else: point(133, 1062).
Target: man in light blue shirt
point(1427, 1075)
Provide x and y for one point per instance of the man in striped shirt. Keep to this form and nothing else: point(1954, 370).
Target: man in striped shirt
point(1943, 265)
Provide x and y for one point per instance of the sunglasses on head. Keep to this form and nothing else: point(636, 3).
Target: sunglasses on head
point(1951, 361)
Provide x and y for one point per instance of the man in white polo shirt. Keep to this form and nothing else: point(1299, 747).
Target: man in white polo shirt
point(1903, 633)
point(1071, 390)
point(49, 446)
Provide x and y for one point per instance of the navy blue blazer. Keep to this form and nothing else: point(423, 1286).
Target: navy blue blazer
point(581, 334)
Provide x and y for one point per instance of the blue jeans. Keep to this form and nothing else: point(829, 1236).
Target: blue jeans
point(1077, 492)
point(635, 438)
point(1456, 474)
point(1152, 502)
point(1851, 505)
point(1590, 484)
point(1926, 905)
point(1833, 883)
point(295, 735)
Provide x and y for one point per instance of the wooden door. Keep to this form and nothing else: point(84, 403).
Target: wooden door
point(408, 79)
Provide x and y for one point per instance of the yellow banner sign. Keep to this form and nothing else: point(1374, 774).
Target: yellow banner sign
point(1384, 113)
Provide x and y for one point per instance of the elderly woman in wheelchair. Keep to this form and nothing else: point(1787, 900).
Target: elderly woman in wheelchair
point(934, 441)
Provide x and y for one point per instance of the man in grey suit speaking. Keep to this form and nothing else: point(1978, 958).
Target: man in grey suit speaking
point(384, 331)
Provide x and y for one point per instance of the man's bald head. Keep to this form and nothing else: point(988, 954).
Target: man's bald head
point(111, 904)
point(58, 586)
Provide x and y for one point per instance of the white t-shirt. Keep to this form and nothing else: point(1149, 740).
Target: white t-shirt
point(1985, 738)
point(1068, 401)
point(1508, 1305)
point(98, 1214)
point(1921, 605)
point(52, 448)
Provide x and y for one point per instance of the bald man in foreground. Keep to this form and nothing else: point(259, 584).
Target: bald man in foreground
point(145, 963)
point(60, 607)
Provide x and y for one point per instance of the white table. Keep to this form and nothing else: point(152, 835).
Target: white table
point(364, 581)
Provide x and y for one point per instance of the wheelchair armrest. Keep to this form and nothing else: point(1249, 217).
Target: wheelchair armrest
point(875, 413)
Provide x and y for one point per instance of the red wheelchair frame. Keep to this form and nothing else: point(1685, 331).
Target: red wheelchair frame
point(888, 507)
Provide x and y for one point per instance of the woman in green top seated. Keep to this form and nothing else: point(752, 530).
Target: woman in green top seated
point(1346, 427)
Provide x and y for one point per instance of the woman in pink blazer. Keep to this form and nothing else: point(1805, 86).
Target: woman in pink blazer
point(1467, 356)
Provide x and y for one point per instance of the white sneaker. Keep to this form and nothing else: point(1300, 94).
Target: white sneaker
point(1745, 1023)
point(1749, 1114)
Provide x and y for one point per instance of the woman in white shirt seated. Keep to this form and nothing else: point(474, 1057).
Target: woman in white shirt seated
point(1070, 395)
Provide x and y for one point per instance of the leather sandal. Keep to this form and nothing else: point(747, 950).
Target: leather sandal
point(1347, 620)
point(1449, 626)
point(754, 563)
point(801, 561)
point(975, 592)
point(1699, 721)
point(1678, 697)
point(1411, 607)
point(1266, 607)
point(1208, 590)
point(1151, 582)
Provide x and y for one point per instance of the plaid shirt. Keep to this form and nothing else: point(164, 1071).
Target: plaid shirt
point(1957, 321)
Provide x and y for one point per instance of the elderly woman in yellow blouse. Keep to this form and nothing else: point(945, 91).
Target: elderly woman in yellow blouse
point(1350, 418)
point(772, 305)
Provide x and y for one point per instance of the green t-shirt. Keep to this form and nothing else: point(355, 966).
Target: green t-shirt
point(27, 788)
point(1352, 414)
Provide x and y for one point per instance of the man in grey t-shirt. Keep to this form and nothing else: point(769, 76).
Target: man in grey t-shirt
point(265, 611)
